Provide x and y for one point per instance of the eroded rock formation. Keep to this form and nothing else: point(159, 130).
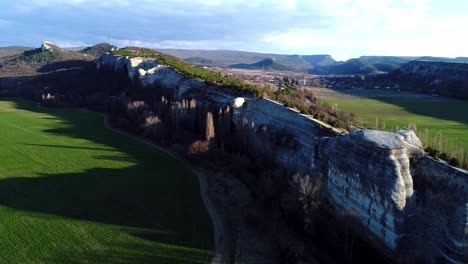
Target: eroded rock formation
point(383, 179)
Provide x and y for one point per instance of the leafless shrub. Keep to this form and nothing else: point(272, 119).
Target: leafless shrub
point(198, 147)
point(309, 195)
point(151, 126)
point(137, 111)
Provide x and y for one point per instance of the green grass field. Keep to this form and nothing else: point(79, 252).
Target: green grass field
point(73, 191)
point(449, 116)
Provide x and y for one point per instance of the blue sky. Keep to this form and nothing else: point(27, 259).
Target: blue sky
point(342, 28)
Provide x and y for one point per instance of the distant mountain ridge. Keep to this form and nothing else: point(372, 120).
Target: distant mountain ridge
point(322, 64)
point(232, 57)
point(199, 60)
point(266, 64)
point(13, 50)
point(444, 59)
point(314, 64)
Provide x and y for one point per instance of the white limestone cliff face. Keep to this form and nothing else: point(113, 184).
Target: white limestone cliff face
point(46, 45)
point(263, 114)
point(149, 73)
point(369, 175)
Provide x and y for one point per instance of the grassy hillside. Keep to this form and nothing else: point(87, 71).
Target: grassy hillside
point(73, 191)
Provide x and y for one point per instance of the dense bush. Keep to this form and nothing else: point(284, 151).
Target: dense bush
point(443, 156)
point(454, 162)
point(432, 151)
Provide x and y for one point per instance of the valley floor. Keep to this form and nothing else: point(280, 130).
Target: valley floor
point(394, 109)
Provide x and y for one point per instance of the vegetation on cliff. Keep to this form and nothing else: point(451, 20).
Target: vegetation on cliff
point(190, 70)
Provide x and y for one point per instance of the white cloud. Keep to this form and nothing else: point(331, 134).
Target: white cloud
point(342, 28)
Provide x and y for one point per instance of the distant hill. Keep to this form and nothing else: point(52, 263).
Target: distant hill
point(364, 65)
point(98, 50)
point(387, 63)
point(267, 64)
point(319, 60)
point(48, 58)
point(462, 59)
point(12, 50)
point(199, 61)
point(352, 66)
point(231, 57)
point(446, 78)
point(443, 59)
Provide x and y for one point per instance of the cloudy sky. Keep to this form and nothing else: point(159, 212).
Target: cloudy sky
point(342, 28)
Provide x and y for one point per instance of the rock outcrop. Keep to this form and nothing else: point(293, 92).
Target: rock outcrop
point(46, 45)
point(369, 175)
point(437, 78)
point(383, 179)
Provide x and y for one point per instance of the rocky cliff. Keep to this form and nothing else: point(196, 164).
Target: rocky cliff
point(438, 70)
point(383, 179)
point(444, 78)
point(368, 173)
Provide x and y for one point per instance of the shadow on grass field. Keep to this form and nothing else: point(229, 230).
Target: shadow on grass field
point(73, 191)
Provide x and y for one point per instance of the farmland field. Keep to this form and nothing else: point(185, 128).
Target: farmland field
point(74, 191)
point(398, 109)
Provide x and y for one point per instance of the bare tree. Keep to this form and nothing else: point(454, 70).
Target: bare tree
point(309, 195)
point(209, 131)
